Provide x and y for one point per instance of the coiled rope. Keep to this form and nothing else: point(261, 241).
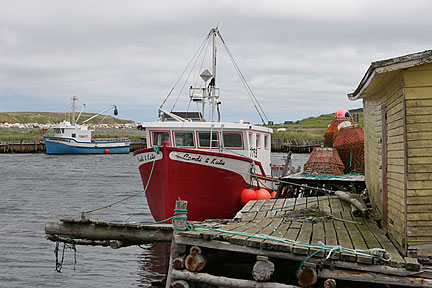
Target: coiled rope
point(72, 246)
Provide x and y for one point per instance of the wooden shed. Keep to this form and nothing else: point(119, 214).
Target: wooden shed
point(397, 101)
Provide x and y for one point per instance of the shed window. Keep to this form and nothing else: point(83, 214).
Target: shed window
point(159, 137)
point(204, 139)
point(184, 139)
point(232, 139)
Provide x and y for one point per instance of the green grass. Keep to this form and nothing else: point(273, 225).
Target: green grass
point(311, 128)
point(52, 117)
point(297, 135)
point(17, 134)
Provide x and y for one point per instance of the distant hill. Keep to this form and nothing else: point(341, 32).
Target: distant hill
point(52, 117)
point(321, 121)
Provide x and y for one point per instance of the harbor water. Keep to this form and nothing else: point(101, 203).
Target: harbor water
point(35, 188)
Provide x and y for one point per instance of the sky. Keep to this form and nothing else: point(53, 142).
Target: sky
point(300, 58)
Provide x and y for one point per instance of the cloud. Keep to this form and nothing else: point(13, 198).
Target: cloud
point(300, 58)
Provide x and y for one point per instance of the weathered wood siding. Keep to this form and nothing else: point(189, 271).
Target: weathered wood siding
point(418, 97)
point(390, 94)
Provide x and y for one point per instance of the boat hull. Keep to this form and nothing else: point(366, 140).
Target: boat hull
point(60, 145)
point(210, 182)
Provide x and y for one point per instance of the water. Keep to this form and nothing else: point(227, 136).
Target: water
point(35, 188)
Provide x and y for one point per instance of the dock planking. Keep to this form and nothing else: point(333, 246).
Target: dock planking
point(355, 235)
point(318, 231)
point(329, 229)
point(342, 234)
point(275, 218)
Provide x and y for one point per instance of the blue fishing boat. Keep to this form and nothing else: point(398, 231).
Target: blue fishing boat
point(74, 138)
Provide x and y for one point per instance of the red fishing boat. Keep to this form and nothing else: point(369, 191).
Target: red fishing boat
point(207, 163)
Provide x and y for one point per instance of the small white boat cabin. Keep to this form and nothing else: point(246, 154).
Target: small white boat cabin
point(241, 139)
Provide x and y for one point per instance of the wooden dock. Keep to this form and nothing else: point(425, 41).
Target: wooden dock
point(285, 242)
point(38, 146)
point(272, 237)
point(99, 233)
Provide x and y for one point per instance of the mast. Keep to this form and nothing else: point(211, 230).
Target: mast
point(209, 93)
point(74, 98)
point(215, 32)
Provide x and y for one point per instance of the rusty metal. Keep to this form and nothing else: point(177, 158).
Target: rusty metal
point(179, 284)
point(195, 261)
point(330, 283)
point(307, 277)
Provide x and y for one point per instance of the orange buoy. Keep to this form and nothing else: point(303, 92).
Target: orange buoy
point(273, 194)
point(263, 194)
point(106, 151)
point(248, 194)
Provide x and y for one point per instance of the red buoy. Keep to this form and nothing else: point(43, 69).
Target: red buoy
point(273, 194)
point(248, 194)
point(262, 194)
point(106, 151)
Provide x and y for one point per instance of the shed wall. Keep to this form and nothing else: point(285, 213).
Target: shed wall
point(392, 95)
point(418, 95)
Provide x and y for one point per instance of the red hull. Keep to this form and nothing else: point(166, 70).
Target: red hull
point(211, 192)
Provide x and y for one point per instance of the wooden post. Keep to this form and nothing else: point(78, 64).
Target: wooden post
point(263, 269)
point(287, 164)
point(177, 250)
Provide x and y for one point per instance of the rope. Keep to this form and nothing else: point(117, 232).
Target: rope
point(72, 246)
point(175, 84)
point(378, 253)
point(156, 149)
point(253, 167)
point(256, 104)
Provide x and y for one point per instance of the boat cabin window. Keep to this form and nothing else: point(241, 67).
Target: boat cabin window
point(159, 137)
point(232, 139)
point(73, 135)
point(266, 142)
point(204, 139)
point(251, 140)
point(258, 141)
point(184, 139)
point(58, 130)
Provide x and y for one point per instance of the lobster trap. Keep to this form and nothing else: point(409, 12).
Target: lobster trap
point(349, 143)
point(334, 129)
point(324, 160)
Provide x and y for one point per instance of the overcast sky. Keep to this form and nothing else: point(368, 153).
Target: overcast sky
point(300, 58)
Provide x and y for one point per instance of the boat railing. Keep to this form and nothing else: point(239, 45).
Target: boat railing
point(111, 139)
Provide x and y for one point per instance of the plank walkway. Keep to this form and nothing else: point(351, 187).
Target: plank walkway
point(283, 218)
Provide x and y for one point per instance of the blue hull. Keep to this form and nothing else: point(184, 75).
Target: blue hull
point(73, 147)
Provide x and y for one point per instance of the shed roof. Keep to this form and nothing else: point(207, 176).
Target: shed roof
point(380, 71)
